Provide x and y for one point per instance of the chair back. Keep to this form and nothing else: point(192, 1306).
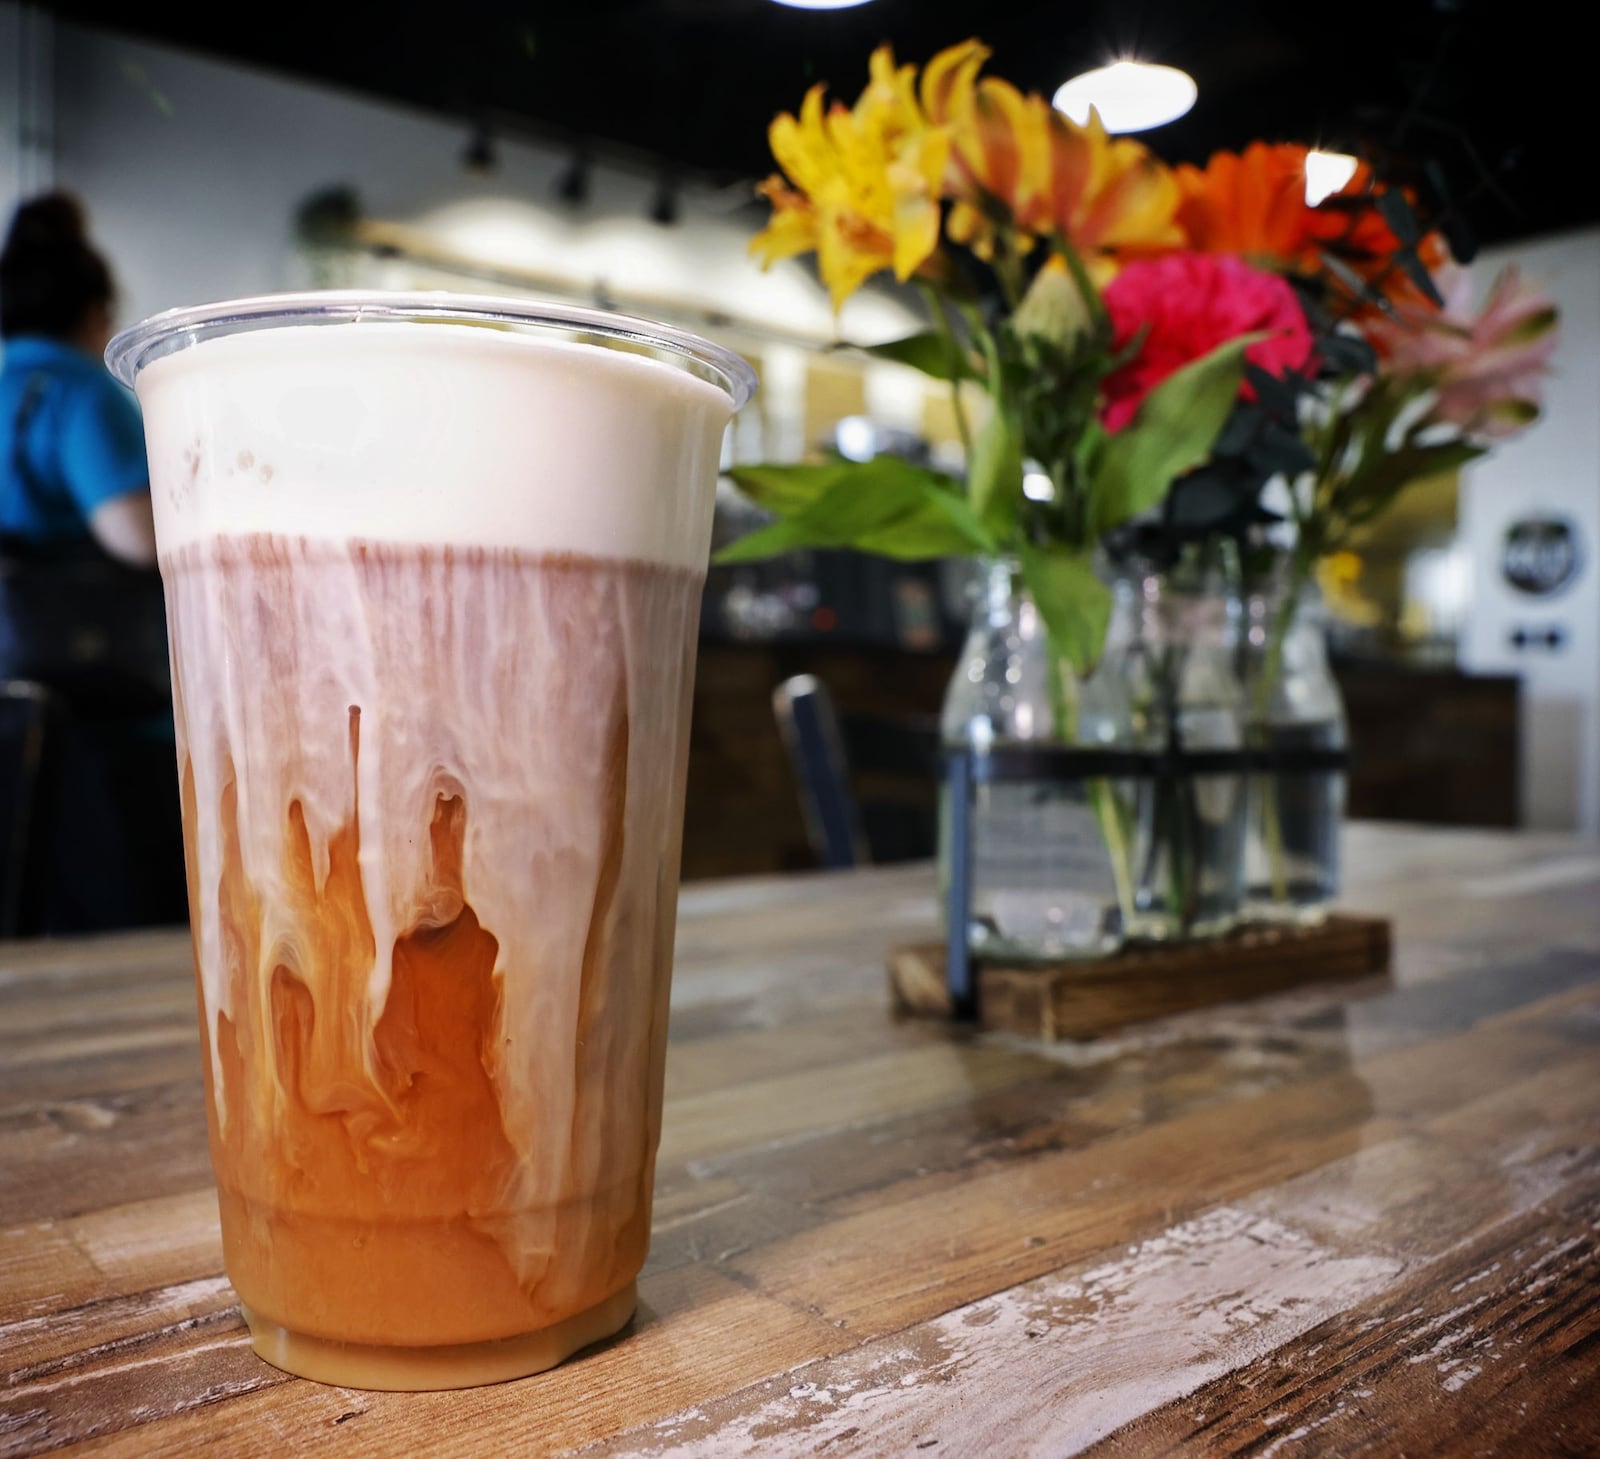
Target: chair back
point(809, 728)
point(868, 783)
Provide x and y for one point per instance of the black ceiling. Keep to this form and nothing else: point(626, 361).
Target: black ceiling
point(1497, 92)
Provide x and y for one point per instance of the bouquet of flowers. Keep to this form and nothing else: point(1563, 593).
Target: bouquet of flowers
point(1174, 349)
point(1405, 378)
point(1011, 218)
point(1133, 328)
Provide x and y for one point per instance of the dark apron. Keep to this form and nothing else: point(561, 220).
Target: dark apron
point(100, 846)
point(74, 618)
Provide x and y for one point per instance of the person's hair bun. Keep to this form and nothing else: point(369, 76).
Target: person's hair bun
point(51, 275)
point(56, 220)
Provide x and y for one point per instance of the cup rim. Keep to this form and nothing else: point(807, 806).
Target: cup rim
point(175, 329)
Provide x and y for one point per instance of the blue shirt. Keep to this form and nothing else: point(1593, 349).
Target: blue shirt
point(82, 445)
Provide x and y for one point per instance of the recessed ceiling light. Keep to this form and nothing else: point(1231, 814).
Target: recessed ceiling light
point(480, 154)
point(1326, 174)
point(821, 4)
point(1130, 96)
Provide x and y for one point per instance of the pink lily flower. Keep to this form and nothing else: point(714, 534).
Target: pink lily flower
point(1486, 366)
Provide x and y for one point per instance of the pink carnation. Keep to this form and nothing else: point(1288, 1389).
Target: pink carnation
point(1191, 303)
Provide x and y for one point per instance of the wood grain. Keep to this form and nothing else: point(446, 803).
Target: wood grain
point(1352, 1218)
point(1085, 999)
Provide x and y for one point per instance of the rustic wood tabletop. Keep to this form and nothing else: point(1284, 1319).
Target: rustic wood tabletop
point(1360, 1218)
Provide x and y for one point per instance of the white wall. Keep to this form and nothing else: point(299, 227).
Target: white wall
point(27, 76)
point(193, 171)
point(1553, 468)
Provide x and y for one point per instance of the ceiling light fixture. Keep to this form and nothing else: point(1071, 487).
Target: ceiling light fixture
point(1130, 96)
point(664, 206)
point(821, 4)
point(480, 154)
point(573, 184)
point(1327, 173)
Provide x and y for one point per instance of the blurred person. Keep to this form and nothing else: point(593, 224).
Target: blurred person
point(70, 435)
point(81, 610)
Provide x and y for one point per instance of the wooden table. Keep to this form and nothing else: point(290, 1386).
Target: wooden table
point(1361, 1219)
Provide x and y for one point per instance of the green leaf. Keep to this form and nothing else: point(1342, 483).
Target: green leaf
point(886, 506)
point(1371, 494)
point(1173, 432)
point(1351, 280)
point(1417, 271)
point(1347, 353)
point(1397, 212)
point(1206, 500)
point(994, 476)
point(784, 490)
point(934, 353)
point(1053, 309)
point(1074, 604)
point(771, 541)
point(942, 525)
point(1533, 327)
point(1373, 420)
point(1275, 395)
point(1277, 451)
point(1513, 412)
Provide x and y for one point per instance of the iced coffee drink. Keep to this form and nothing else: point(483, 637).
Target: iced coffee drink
point(433, 573)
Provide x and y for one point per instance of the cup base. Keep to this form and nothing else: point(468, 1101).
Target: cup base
point(424, 1369)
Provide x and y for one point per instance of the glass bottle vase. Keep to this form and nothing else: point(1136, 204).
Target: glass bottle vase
point(1297, 811)
point(1048, 859)
point(1181, 676)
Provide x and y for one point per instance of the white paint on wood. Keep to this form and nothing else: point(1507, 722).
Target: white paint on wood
point(1051, 1366)
point(1543, 876)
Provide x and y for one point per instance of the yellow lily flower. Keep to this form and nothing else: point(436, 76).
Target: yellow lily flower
point(1107, 195)
point(1018, 163)
point(860, 185)
point(992, 164)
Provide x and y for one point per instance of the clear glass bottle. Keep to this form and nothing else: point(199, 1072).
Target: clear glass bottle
point(1048, 859)
point(1182, 680)
point(1295, 814)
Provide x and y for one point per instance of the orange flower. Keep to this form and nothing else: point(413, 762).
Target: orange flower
point(1361, 238)
point(1018, 163)
point(1253, 204)
point(860, 185)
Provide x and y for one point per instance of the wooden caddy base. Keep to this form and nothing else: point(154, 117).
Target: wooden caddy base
point(1082, 1000)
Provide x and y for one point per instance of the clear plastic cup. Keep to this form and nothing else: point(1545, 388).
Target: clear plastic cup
point(433, 567)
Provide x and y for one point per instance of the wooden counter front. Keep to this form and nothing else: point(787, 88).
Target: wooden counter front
point(1428, 746)
point(1362, 1218)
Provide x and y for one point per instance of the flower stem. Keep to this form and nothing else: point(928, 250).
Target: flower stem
point(1080, 276)
point(1176, 806)
point(1101, 794)
point(1008, 269)
point(1108, 811)
point(948, 329)
point(1262, 690)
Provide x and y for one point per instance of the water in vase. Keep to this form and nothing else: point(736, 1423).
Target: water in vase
point(1292, 854)
point(1042, 881)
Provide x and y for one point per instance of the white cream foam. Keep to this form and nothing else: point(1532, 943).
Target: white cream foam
point(402, 431)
